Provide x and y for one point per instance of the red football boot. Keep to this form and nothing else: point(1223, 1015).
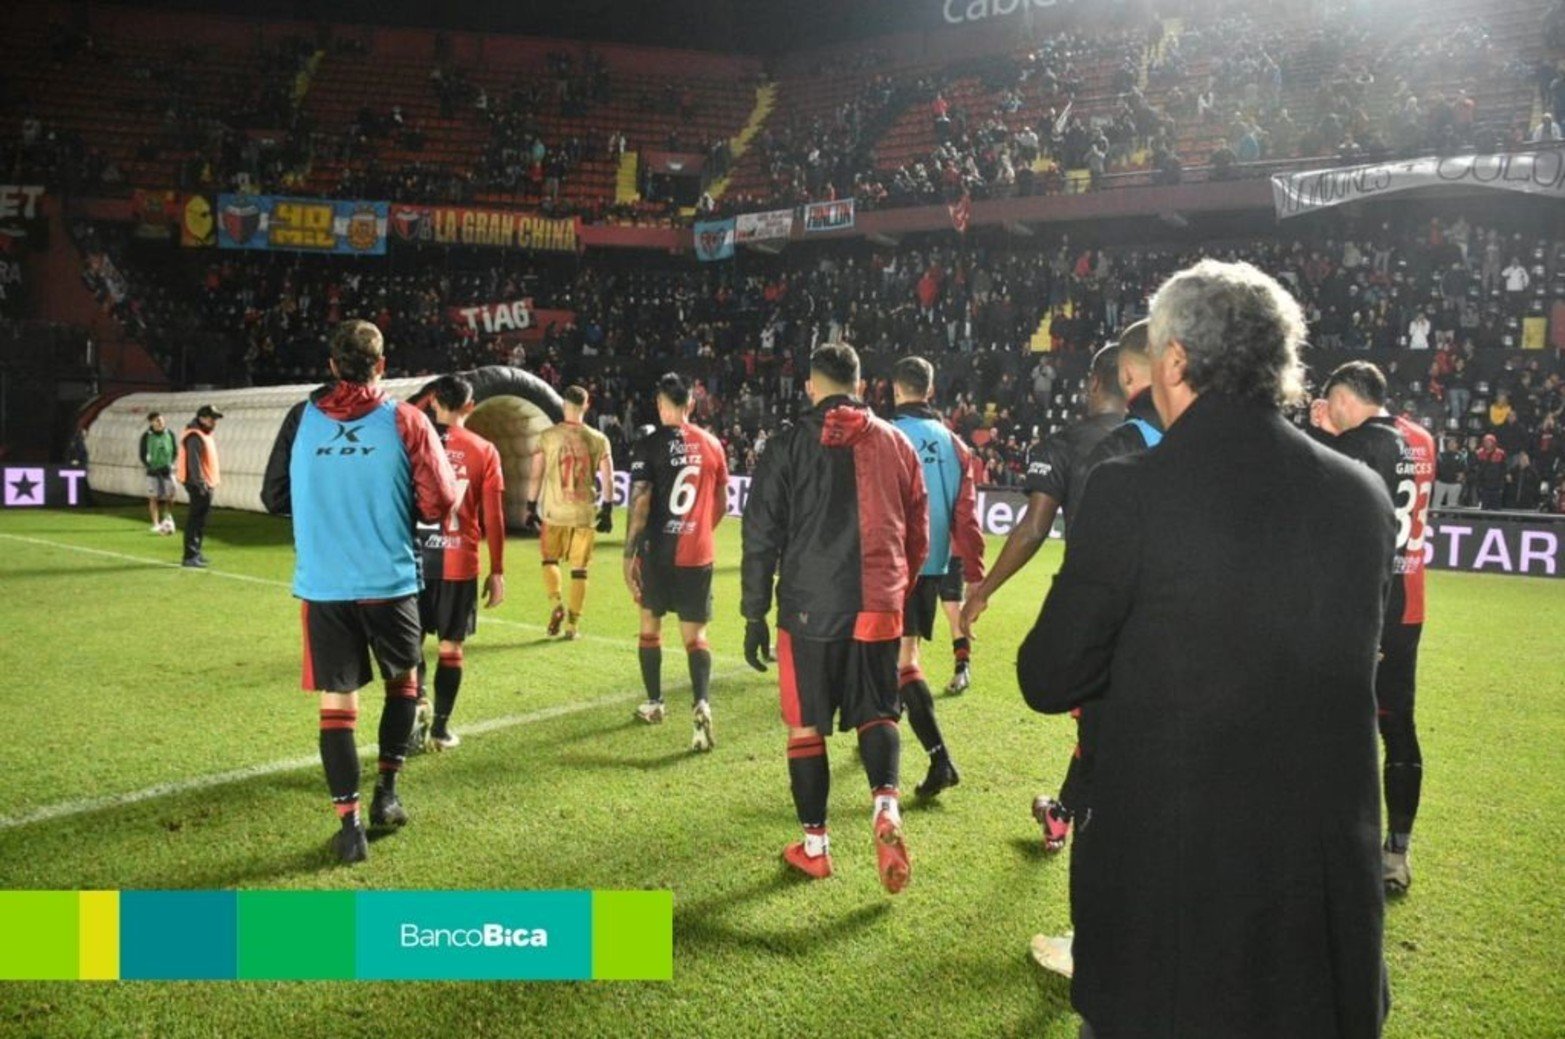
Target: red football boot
point(891, 854)
point(816, 866)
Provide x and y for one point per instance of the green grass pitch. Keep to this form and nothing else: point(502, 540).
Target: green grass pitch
point(125, 676)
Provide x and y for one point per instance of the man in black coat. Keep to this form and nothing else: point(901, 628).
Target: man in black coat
point(1221, 604)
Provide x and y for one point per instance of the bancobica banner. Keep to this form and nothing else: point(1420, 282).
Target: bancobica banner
point(1455, 541)
point(1532, 173)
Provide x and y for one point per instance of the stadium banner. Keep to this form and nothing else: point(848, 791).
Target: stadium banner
point(517, 315)
point(714, 239)
point(485, 228)
point(155, 213)
point(1533, 173)
point(313, 225)
point(44, 486)
point(1478, 542)
point(337, 935)
point(197, 228)
point(829, 216)
point(760, 227)
point(21, 214)
point(999, 508)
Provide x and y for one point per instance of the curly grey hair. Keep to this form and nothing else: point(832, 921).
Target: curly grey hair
point(1240, 329)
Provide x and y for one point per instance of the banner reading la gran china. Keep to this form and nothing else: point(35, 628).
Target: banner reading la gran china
point(315, 225)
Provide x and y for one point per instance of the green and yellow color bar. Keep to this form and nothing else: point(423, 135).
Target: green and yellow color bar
point(336, 935)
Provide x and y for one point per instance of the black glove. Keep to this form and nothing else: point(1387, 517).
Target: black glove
point(605, 518)
point(757, 644)
point(531, 520)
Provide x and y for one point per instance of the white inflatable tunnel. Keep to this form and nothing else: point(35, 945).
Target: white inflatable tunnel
point(514, 406)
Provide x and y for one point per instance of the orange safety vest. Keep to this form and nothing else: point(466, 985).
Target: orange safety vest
point(209, 469)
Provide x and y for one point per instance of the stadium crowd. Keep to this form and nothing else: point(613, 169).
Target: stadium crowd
point(1238, 89)
point(1447, 299)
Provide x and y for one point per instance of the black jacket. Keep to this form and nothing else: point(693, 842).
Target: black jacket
point(1127, 438)
point(839, 515)
point(1221, 604)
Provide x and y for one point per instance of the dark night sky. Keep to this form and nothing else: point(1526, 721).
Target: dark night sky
point(747, 26)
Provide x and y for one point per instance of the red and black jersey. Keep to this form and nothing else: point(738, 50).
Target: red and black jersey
point(1402, 454)
point(450, 547)
point(687, 469)
point(838, 514)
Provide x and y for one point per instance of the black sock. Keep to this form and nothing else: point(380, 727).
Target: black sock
point(448, 681)
point(340, 759)
point(396, 729)
point(1404, 783)
point(810, 779)
point(920, 703)
point(651, 655)
point(962, 650)
point(700, 671)
point(1404, 770)
point(423, 671)
point(880, 747)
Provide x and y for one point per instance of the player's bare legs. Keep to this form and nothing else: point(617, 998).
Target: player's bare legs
point(919, 703)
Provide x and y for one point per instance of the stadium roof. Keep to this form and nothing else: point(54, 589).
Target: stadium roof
point(743, 26)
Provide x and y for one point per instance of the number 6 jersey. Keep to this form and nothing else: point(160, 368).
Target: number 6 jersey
point(688, 470)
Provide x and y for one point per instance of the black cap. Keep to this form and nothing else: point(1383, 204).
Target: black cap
point(208, 411)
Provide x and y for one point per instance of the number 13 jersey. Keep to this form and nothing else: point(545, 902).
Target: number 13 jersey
point(687, 469)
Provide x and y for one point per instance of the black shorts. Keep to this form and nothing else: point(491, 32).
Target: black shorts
point(449, 609)
point(682, 590)
point(951, 585)
point(1396, 678)
point(923, 604)
point(855, 681)
point(340, 636)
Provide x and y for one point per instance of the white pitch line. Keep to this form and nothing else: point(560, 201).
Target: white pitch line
point(271, 768)
point(618, 643)
point(84, 806)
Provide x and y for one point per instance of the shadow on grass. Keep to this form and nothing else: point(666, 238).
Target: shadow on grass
point(1030, 849)
point(695, 925)
point(611, 763)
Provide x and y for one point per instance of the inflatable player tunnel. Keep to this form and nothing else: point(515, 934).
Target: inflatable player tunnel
point(514, 406)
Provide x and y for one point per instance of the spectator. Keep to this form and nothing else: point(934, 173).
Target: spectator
point(1488, 473)
point(1418, 332)
point(1450, 467)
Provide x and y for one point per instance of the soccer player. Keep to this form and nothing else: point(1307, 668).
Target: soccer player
point(839, 517)
point(568, 455)
point(678, 495)
point(1352, 417)
point(198, 469)
point(448, 605)
point(953, 529)
point(357, 470)
point(158, 450)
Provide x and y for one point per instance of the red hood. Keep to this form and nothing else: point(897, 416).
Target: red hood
point(845, 425)
point(345, 401)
